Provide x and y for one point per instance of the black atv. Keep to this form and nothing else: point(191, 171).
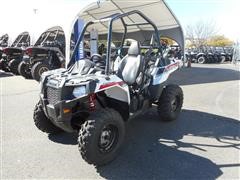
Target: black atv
point(3, 44)
point(206, 55)
point(48, 53)
point(220, 55)
point(13, 55)
point(229, 53)
point(98, 94)
point(191, 54)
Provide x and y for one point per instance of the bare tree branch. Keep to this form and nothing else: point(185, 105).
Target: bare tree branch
point(199, 32)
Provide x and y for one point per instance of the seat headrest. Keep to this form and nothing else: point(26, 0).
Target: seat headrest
point(134, 49)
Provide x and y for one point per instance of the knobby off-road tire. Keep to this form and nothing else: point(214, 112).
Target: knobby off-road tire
point(101, 137)
point(170, 103)
point(38, 69)
point(23, 70)
point(42, 122)
point(4, 66)
point(13, 66)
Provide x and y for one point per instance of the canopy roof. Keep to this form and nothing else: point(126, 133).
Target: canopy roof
point(156, 10)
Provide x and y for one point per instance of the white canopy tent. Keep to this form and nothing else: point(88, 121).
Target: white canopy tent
point(156, 10)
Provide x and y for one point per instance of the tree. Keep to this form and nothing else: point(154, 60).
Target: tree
point(169, 41)
point(219, 40)
point(199, 32)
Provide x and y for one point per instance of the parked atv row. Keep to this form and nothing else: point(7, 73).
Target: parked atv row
point(208, 54)
point(31, 61)
point(47, 54)
point(13, 54)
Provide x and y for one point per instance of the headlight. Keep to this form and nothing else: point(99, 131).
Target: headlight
point(79, 91)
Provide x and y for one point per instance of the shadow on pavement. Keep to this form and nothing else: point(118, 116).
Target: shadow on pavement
point(201, 75)
point(5, 74)
point(64, 138)
point(144, 155)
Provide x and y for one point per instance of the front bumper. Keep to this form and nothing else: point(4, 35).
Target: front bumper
point(56, 112)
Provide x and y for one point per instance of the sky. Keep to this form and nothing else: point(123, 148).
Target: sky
point(18, 15)
point(223, 13)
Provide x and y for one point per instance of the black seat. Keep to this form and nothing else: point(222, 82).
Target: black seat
point(131, 65)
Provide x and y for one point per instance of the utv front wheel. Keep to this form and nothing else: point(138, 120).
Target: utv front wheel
point(170, 103)
point(101, 137)
point(42, 122)
point(38, 69)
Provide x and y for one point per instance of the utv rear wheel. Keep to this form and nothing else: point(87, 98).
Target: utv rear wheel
point(4, 66)
point(101, 137)
point(38, 69)
point(24, 70)
point(42, 122)
point(13, 66)
point(170, 103)
point(201, 60)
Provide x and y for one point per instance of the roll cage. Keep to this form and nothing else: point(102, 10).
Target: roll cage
point(3, 40)
point(46, 36)
point(110, 21)
point(22, 38)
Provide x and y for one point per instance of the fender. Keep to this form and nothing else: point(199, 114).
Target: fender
point(200, 54)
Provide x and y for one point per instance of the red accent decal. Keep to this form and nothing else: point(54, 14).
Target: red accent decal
point(103, 86)
point(171, 65)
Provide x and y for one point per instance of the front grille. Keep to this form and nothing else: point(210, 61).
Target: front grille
point(53, 95)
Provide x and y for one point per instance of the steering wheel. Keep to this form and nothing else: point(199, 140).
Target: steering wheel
point(98, 60)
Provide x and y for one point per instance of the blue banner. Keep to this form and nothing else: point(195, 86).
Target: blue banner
point(78, 26)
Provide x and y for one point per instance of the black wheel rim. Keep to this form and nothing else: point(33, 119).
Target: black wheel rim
point(108, 138)
point(175, 104)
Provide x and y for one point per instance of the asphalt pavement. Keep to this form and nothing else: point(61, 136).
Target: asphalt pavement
point(203, 143)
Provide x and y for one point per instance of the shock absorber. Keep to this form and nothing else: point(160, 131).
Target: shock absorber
point(92, 102)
